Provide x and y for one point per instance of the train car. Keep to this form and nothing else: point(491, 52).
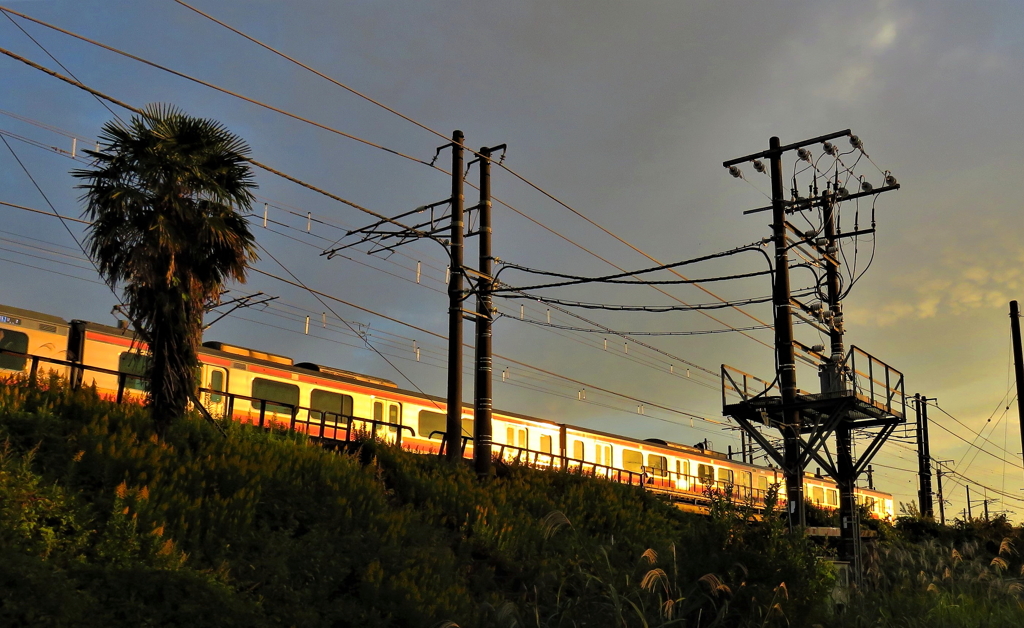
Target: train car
point(257, 387)
point(32, 333)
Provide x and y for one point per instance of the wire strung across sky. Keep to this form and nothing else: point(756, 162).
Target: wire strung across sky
point(572, 280)
point(372, 144)
point(618, 307)
point(699, 332)
point(288, 177)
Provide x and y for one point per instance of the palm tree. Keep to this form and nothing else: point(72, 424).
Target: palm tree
point(169, 195)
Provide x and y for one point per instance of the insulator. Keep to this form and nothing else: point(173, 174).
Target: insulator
point(817, 348)
point(866, 186)
point(890, 180)
point(829, 148)
point(842, 192)
point(821, 241)
point(804, 154)
point(734, 171)
point(759, 165)
point(856, 142)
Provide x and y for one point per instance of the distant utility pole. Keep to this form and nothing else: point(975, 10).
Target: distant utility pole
point(939, 472)
point(969, 515)
point(924, 460)
point(1018, 365)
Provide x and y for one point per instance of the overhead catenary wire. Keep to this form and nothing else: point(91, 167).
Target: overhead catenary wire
point(630, 357)
point(325, 127)
point(619, 307)
point(288, 177)
point(500, 164)
point(572, 280)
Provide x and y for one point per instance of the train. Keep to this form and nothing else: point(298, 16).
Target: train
point(333, 404)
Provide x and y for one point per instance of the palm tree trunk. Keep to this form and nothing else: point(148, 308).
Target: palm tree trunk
point(174, 347)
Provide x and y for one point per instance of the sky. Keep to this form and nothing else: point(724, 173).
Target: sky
point(624, 112)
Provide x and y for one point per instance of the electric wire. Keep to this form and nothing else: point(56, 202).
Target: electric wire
point(325, 127)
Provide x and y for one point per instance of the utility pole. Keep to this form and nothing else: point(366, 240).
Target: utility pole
point(833, 383)
point(483, 401)
point(807, 420)
point(969, 515)
point(939, 472)
point(924, 461)
point(784, 345)
point(1018, 365)
point(453, 425)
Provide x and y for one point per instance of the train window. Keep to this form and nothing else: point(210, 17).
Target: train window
point(762, 483)
point(657, 465)
point(330, 406)
point(870, 503)
point(523, 440)
point(378, 411)
point(467, 427)
point(746, 479)
point(706, 473)
point(545, 443)
point(833, 497)
point(632, 460)
point(512, 439)
point(683, 467)
point(817, 494)
point(216, 383)
point(603, 455)
point(725, 475)
point(577, 450)
point(286, 395)
point(134, 364)
point(394, 414)
point(431, 422)
point(13, 341)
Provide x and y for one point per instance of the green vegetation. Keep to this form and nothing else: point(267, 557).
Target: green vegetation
point(103, 524)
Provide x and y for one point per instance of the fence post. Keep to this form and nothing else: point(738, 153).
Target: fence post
point(263, 410)
point(34, 369)
point(121, 377)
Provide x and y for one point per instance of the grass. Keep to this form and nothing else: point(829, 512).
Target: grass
point(102, 524)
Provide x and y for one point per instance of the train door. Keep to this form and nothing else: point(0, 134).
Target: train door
point(215, 379)
point(385, 411)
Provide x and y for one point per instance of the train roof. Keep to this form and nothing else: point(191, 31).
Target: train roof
point(110, 330)
point(11, 315)
point(250, 353)
point(330, 370)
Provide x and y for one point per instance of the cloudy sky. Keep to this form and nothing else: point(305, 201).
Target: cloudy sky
point(622, 110)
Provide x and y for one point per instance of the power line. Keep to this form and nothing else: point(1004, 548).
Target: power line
point(443, 136)
point(64, 67)
point(304, 184)
point(575, 279)
point(325, 127)
point(702, 332)
point(627, 356)
point(654, 309)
